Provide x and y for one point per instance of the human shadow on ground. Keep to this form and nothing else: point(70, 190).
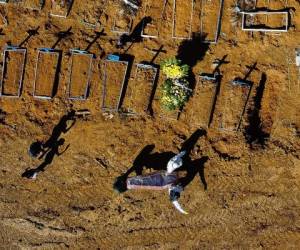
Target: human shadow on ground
point(39, 149)
point(53, 151)
point(158, 161)
point(254, 133)
point(190, 52)
point(135, 35)
point(61, 127)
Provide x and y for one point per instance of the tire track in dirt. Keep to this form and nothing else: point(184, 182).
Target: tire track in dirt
point(35, 226)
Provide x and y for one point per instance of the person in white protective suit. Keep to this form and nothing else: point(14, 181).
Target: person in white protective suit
point(159, 180)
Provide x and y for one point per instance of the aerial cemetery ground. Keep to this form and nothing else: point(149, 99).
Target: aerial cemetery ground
point(243, 189)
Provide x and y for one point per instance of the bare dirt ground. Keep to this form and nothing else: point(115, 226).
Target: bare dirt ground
point(246, 195)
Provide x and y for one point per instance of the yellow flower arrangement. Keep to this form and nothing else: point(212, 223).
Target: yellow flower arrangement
point(173, 70)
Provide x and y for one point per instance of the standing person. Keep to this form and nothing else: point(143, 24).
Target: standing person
point(159, 180)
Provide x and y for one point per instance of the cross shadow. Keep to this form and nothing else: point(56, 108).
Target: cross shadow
point(218, 79)
point(245, 82)
point(160, 50)
point(254, 133)
point(147, 159)
point(57, 73)
point(98, 35)
point(52, 152)
point(129, 59)
point(219, 63)
point(62, 35)
point(30, 33)
point(155, 82)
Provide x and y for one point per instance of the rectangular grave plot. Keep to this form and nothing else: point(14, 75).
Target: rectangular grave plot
point(153, 9)
point(235, 101)
point(61, 8)
point(182, 19)
point(113, 83)
point(34, 4)
point(210, 21)
point(139, 91)
point(265, 21)
point(46, 73)
point(199, 108)
point(13, 70)
point(80, 75)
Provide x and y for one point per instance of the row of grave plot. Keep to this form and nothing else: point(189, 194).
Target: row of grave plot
point(186, 17)
point(46, 76)
point(127, 88)
point(116, 73)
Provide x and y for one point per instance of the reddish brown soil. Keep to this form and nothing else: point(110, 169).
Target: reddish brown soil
point(13, 72)
point(46, 70)
point(139, 91)
point(81, 68)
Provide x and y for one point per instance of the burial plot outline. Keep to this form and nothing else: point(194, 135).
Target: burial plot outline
point(253, 13)
point(67, 11)
point(155, 78)
point(45, 51)
point(149, 24)
point(243, 84)
point(214, 79)
point(219, 23)
point(5, 52)
point(174, 22)
point(88, 83)
point(113, 59)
